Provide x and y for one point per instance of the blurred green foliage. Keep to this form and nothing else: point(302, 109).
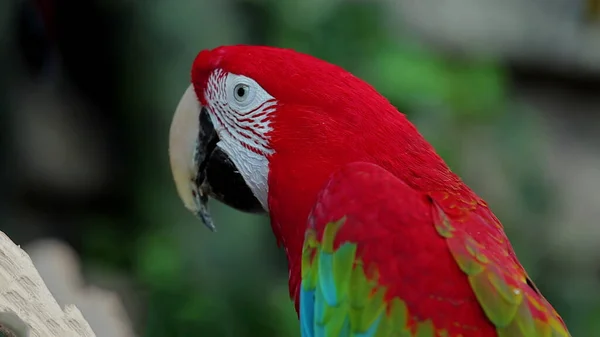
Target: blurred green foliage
point(234, 282)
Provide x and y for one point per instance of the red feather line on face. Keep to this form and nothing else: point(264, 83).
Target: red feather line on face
point(244, 127)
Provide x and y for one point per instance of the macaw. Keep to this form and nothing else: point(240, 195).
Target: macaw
point(382, 238)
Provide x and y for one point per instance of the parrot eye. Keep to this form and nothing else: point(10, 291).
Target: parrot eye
point(240, 92)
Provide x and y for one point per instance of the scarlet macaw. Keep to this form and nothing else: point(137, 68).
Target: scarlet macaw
point(382, 239)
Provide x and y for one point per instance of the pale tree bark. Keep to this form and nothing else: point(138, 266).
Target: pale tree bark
point(27, 308)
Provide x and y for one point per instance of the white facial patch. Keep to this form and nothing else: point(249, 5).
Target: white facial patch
point(240, 110)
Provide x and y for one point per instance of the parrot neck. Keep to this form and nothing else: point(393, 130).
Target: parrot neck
point(293, 251)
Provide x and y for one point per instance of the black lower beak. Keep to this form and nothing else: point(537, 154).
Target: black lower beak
point(217, 175)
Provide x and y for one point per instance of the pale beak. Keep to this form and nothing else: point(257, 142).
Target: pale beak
point(200, 168)
point(189, 148)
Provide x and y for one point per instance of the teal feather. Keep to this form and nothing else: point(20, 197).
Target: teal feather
point(326, 279)
point(307, 311)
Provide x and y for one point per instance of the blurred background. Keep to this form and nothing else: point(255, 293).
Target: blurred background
point(507, 91)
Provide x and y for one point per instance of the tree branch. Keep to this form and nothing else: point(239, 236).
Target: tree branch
point(27, 308)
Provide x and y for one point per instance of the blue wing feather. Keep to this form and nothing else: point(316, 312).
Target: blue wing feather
point(307, 312)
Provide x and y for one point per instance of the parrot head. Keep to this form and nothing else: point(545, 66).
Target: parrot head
point(262, 128)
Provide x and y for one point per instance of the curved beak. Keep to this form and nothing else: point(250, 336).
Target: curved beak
point(200, 168)
point(188, 150)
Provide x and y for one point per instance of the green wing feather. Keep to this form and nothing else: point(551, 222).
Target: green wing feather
point(506, 294)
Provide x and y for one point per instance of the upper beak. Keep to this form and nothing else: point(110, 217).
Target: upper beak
point(200, 167)
point(192, 138)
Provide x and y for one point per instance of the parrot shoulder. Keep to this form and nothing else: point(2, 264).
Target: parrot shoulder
point(382, 259)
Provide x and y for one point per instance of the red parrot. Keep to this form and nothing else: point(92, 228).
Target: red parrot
point(382, 239)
